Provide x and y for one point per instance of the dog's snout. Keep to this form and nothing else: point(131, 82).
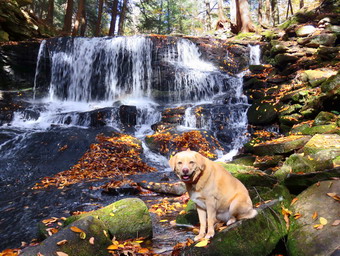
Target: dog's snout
point(185, 170)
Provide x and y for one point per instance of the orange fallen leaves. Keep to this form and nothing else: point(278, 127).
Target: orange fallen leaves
point(76, 229)
point(10, 252)
point(334, 196)
point(110, 157)
point(128, 247)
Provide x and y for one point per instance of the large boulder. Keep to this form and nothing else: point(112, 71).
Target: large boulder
point(281, 145)
point(125, 219)
point(257, 236)
point(262, 113)
point(316, 77)
point(329, 143)
point(306, 235)
point(75, 241)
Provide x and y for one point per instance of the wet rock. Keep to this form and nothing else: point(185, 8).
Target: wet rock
point(244, 160)
point(277, 47)
point(257, 69)
point(305, 30)
point(177, 188)
point(290, 120)
point(124, 219)
point(268, 226)
point(77, 244)
point(281, 146)
point(303, 237)
point(262, 113)
point(283, 59)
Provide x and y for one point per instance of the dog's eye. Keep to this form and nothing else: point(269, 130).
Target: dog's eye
point(179, 162)
point(191, 162)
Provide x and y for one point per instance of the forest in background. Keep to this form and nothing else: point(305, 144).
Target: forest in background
point(189, 17)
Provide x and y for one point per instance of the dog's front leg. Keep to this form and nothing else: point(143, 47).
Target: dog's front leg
point(202, 216)
point(211, 216)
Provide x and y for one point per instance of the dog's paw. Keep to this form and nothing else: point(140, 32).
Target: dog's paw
point(231, 221)
point(198, 237)
point(209, 235)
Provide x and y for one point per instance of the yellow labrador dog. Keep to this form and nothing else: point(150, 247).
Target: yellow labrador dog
point(217, 194)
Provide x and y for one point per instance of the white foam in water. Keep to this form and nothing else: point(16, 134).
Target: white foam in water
point(95, 73)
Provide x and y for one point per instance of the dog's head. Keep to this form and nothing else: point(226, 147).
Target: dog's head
point(188, 165)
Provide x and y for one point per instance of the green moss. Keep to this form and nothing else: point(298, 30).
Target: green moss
point(190, 217)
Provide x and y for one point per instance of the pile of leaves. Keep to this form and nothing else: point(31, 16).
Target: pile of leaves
point(118, 155)
point(195, 140)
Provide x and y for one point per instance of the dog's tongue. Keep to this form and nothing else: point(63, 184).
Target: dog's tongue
point(186, 177)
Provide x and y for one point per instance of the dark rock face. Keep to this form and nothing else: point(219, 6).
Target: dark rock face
point(17, 65)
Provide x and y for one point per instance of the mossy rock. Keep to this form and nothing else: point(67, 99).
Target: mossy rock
point(244, 160)
point(320, 142)
point(4, 36)
point(262, 113)
point(296, 183)
point(289, 109)
point(267, 161)
point(300, 164)
point(325, 39)
point(303, 238)
point(281, 146)
point(77, 243)
point(316, 77)
point(305, 30)
point(125, 219)
point(283, 59)
point(250, 176)
point(252, 237)
point(319, 129)
point(324, 118)
point(277, 192)
point(331, 84)
point(291, 119)
point(189, 217)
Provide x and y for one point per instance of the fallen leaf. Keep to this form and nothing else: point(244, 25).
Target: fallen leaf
point(76, 229)
point(297, 215)
point(91, 240)
point(323, 221)
point(163, 221)
point(82, 235)
point(144, 250)
point(62, 242)
point(336, 223)
point(294, 200)
point(318, 226)
point(61, 254)
point(334, 196)
point(112, 247)
point(203, 243)
point(315, 215)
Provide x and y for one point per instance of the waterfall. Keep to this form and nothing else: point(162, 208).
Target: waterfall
point(255, 54)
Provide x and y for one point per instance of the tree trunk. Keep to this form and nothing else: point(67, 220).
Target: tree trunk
point(114, 11)
point(243, 21)
point(220, 11)
point(208, 15)
point(275, 12)
point(99, 18)
point(68, 17)
point(42, 8)
point(233, 12)
point(302, 4)
point(122, 18)
point(289, 8)
point(83, 23)
point(259, 13)
point(168, 17)
point(160, 19)
point(50, 11)
point(79, 18)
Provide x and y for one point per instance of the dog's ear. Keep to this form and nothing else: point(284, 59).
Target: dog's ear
point(200, 161)
point(172, 162)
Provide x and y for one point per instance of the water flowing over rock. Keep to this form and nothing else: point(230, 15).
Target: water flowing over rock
point(83, 87)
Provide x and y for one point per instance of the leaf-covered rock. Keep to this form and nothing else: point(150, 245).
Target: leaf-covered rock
point(307, 236)
point(262, 113)
point(74, 240)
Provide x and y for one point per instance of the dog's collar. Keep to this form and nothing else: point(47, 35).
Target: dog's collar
point(198, 177)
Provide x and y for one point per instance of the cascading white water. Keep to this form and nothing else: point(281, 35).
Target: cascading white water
point(255, 54)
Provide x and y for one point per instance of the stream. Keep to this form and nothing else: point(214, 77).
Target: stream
point(87, 86)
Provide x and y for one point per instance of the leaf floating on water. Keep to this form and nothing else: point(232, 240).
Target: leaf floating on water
point(76, 229)
point(61, 254)
point(323, 221)
point(62, 242)
point(203, 243)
